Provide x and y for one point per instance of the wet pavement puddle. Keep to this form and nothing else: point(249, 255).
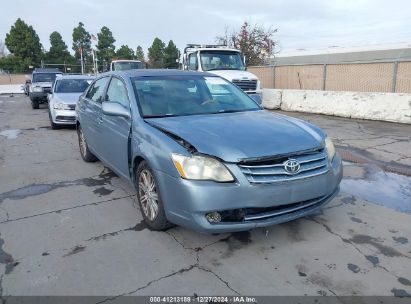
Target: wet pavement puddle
point(10, 134)
point(382, 188)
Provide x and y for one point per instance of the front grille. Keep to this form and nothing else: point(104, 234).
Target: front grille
point(65, 118)
point(72, 106)
point(46, 90)
point(246, 85)
point(271, 170)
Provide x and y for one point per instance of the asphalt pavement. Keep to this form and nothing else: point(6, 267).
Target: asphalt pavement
point(73, 228)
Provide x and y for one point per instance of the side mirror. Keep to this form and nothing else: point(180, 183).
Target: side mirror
point(256, 98)
point(115, 109)
point(28, 81)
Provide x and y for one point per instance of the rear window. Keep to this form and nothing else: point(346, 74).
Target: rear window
point(71, 85)
point(127, 65)
point(44, 77)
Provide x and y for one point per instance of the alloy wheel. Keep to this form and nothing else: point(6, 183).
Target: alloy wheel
point(148, 195)
point(82, 143)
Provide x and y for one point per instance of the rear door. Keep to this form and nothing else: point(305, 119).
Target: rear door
point(93, 114)
point(116, 130)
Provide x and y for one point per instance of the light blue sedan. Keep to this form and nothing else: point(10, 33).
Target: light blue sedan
point(203, 154)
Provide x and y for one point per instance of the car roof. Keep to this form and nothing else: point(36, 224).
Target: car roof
point(75, 76)
point(125, 60)
point(191, 50)
point(157, 72)
point(41, 70)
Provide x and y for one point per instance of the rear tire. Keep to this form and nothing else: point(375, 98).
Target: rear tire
point(149, 198)
point(85, 153)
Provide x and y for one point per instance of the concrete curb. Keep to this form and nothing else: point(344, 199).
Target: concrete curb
point(11, 89)
point(394, 107)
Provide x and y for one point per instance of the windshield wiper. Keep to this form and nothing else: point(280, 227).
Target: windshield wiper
point(222, 69)
point(159, 116)
point(228, 111)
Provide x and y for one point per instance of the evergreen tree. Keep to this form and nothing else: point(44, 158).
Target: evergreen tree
point(23, 42)
point(81, 39)
point(171, 56)
point(140, 54)
point(156, 54)
point(58, 52)
point(125, 52)
point(105, 46)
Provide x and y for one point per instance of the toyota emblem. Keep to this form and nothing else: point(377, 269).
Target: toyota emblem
point(292, 166)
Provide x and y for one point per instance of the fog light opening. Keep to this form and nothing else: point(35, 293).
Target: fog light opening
point(213, 217)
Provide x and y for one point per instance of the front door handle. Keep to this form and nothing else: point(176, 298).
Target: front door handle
point(100, 120)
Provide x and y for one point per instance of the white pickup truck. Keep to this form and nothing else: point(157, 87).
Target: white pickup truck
point(224, 62)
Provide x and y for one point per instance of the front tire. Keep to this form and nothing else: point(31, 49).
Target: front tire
point(149, 198)
point(85, 153)
point(35, 104)
point(52, 124)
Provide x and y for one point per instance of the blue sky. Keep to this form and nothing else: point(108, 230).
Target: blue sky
point(301, 24)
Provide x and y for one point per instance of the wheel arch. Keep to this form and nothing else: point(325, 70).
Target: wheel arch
point(137, 159)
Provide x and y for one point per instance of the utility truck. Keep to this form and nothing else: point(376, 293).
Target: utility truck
point(123, 65)
point(225, 62)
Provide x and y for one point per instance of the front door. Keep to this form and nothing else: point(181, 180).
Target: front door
point(93, 114)
point(115, 130)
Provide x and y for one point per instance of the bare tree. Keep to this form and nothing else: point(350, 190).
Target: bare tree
point(255, 41)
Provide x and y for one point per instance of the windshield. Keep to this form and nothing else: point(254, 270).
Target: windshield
point(164, 96)
point(221, 60)
point(71, 85)
point(44, 77)
point(127, 65)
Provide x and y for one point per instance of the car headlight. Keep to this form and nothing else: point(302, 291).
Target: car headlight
point(201, 168)
point(37, 89)
point(330, 148)
point(61, 106)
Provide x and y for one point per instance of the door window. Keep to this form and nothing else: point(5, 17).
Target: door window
point(192, 62)
point(96, 91)
point(117, 92)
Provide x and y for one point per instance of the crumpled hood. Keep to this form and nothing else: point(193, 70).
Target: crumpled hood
point(234, 74)
point(241, 135)
point(68, 98)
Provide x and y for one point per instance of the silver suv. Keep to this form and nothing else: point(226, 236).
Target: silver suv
point(65, 94)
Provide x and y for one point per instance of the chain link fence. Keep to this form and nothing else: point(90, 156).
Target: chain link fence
point(361, 77)
point(12, 79)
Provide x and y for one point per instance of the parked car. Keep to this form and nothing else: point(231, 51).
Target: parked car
point(65, 94)
point(41, 83)
point(202, 154)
